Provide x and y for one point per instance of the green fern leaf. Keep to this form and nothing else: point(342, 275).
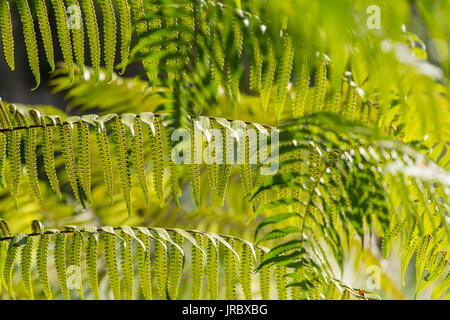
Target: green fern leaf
point(212, 269)
point(138, 158)
point(422, 251)
point(320, 79)
point(49, 156)
point(256, 65)
point(4, 232)
point(60, 263)
point(161, 268)
point(77, 33)
point(111, 260)
point(176, 263)
point(230, 272)
point(109, 35)
point(197, 268)
point(441, 287)
point(91, 262)
point(301, 89)
point(75, 255)
point(127, 265)
point(15, 161)
point(92, 33)
point(7, 33)
point(30, 38)
point(9, 266)
point(122, 160)
point(144, 265)
point(25, 267)
point(224, 169)
point(268, 77)
point(65, 137)
point(390, 237)
point(46, 32)
point(433, 275)
point(157, 159)
point(63, 35)
point(245, 169)
point(280, 281)
point(125, 32)
point(264, 279)
point(246, 269)
point(84, 162)
point(194, 167)
point(30, 157)
point(408, 252)
point(103, 147)
point(42, 264)
point(284, 75)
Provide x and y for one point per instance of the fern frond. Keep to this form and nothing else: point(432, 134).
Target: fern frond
point(144, 265)
point(176, 263)
point(9, 266)
point(161, 268)
point(60, 262)
point(230, 272)
point(264, 279)
point(30, 158)
point(49, 156)
point(84, 161)
point(320, 79)
point(109, 34)
point(441, 288)
point(77, 33)
point(433, 275)
point(422, 253)
point(268, 77)
point(63, 35)
point(46, 33)
point(30, 38)
point(75, 256)
point(302, 80)
point(280, 280)
point(25, 267)
point(65, 137)
point(284, 75)
point(409, 251)
point(256, 65)
point(7, 33)
point(42, 264)
point(197, 268)
point(122, 160)
point(194, 167)
point(91, 263)
point(103, 147)
point(138, 158)
point(157, 159)
point(212, 265)
point(246, 269)
point(224, 169)
point(15, 161)
point(93, 35)
point(127, 265)
point(125, 31)
point(111, 258)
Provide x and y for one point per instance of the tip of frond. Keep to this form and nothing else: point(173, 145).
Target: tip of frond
point(37, 85)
